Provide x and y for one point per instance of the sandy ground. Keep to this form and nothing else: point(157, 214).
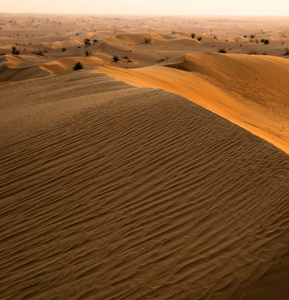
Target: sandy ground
point(164, 175)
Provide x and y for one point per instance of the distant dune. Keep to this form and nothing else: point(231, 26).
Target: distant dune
point(15, 68)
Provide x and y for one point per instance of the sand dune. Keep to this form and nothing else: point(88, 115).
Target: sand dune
point(15, 68)
point(115, 192)
point(125, 189)
point(65, 64)
point(251, 91)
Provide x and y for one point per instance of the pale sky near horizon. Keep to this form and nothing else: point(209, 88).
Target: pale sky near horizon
point(151, 7)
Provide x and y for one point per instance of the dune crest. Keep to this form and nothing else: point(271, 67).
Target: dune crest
point(251, 91)
point(65, 64)
point(16, 68)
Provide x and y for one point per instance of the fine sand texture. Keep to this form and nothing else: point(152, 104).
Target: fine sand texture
point(110, 191)
point(251, 91)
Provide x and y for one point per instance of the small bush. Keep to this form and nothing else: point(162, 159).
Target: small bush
point(63, 49)
point(252, 36)
point(147, 40)
point(2, 54)
point(245, 36)
point(87, 42)
point(95, 41)
point(115, 58)
point(39, 52)
point(78, 66)
point(264, 53)
point(193, 35)
point(199, 38)
point(222, 51)
point(265, 41)
point(15, 51)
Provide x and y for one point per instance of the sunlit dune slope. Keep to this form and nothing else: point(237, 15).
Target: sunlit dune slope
point(65, 64)
point(110, 191)
point(16, 68)
point(251, 91)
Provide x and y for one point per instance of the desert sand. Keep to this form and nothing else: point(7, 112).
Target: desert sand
point(164, 175)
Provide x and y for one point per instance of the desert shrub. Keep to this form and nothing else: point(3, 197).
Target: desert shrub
point(252, 36)
point(222, 51)
point(115, 58)
point(245, 36)
point(39, 52)
point(87, 53)
point(147, 40)
point(63, 49)
point(264, 53)
point(253, 52)
point(15, 51)
point(193, 35)
point(265, 41)
point(3, 54)
point(164, 59)
point(199, 38)
point(95, 41)
point(87, 42)
point(78, 66)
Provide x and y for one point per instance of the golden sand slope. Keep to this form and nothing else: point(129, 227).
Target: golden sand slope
point(251, 91)
point(17, 67)
point(65, 64)
point(114, 192)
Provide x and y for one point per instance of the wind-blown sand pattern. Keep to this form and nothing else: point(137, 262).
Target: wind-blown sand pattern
point(164, 175)
point(251, 91)
point(135, 193)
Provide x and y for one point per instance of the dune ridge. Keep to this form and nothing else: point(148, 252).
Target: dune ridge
point(16, 68)
point(65, 64)
point(110, 191)
point(250, 91)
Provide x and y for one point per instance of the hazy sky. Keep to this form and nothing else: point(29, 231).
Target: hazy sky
point(200, 7)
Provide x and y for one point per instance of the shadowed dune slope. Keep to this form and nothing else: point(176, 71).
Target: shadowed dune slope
point(251, 91)
point(17, 68)
point(109, 191)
